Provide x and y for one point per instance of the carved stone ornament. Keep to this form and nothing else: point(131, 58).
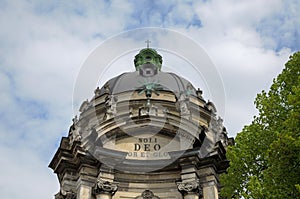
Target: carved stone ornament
point(199, 93)
point(189, 187)
point(148, 110)
point(216, 125)
point(70, 195)
point(189, 89)
point(131, 112)
point(147, 194)
point(183, 105)
point(107, 88)
point(65, 195)
point(111, 106)
point(105, 187)
point(59, 196)
point(97, 92)
point(84, 106)
point(223, 137)
point(74, 134)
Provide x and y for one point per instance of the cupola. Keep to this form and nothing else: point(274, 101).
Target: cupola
point(148, 62)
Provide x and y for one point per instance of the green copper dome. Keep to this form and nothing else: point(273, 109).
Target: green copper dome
point(148, 56)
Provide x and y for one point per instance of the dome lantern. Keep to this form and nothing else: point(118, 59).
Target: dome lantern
point(148, 61)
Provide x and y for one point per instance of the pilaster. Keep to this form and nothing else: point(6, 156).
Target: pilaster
point(209, 182)
point(84, 192)
point(85, 182)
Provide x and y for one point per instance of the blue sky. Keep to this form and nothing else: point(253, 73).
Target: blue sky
point(44, 43)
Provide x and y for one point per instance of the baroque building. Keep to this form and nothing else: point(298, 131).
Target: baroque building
point(144, 134)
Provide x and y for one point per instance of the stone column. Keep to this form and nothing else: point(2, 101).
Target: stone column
point(85, 182)
point(84, 192)
point(105, 189)
point(190, 189)
point(210, 190)
point(209, 183)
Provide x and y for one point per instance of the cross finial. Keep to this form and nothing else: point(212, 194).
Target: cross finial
point(147, 42)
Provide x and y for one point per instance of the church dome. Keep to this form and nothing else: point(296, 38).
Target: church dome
point(148, 72)
point(144, 134)
point(149, 108)
point(134, 81)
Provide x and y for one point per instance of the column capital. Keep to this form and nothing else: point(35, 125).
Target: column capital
point(189, 187)
point(105, 187)
point(65, 195)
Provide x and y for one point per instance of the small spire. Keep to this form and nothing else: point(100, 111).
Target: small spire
point(147, 42)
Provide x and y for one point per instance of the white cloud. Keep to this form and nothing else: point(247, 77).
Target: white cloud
point(240, 52)
point(43, 44)
point(20, 168)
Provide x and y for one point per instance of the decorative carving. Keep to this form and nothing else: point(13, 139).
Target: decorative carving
point(74, 134)
point(97, 92)
point(148, 88)
point(223, 137)
point(189, 187)
point(84, 106)
point(211, 107)
point(148, 110)
point(111, 106)
point(189, 89)
point(105, 187)
point(199, 93)
point(216, 125)
point(107, 88)
point(183, 105)
point(147, 194)
point(131, 112)
point(70, 195)
point(59, 196)
point(65, 195)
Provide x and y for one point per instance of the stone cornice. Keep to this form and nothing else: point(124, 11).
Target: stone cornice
point(70, 157)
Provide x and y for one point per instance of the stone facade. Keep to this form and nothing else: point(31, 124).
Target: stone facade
point(145, 134)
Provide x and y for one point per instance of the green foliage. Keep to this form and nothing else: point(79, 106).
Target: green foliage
point(265, 162)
